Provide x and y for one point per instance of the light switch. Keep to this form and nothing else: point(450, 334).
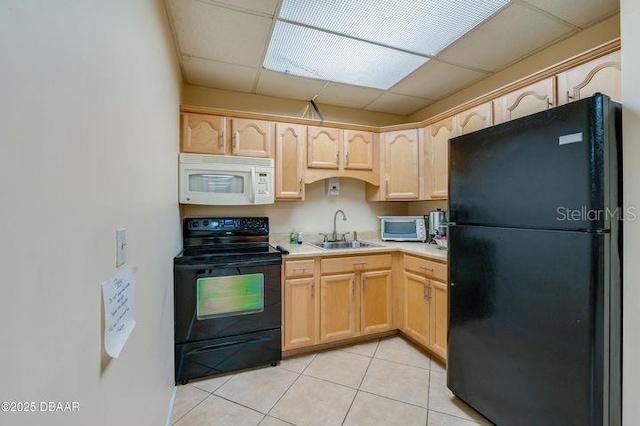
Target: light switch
point(121, 243)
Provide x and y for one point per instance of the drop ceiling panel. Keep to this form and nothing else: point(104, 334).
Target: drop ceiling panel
point(580, 13)
point(262, 6)
point(510, 35)
point(346, 95)
point(218, 33)
point(435, 80)
point(202, 72)
point(288, 86)
point(397, 104)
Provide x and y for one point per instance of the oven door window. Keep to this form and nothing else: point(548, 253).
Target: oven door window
point(231, 295)
point(217, 183)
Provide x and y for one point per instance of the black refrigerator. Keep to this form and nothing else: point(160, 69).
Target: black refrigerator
point(535, 251)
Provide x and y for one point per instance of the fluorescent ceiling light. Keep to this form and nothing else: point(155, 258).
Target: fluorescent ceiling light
point(373, 43)
point(316, 54)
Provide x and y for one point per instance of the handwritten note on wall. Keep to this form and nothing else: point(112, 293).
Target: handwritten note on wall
point(117, 293)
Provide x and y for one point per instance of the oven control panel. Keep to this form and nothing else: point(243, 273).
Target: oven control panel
point(227, 224)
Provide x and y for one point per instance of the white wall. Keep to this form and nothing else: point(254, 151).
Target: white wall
point(630, 13)
point(315, 214)
point(89, 129)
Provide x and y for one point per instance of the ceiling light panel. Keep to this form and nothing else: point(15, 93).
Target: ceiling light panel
point(317, 54)
point(421, 26)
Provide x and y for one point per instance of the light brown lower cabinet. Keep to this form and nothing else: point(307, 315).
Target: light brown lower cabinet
point(329, 299)
point(300, 312)
point(425, 306)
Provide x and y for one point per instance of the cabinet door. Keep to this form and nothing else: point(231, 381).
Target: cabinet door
point(338, 307)
point(439, 321)
point(476, 118)
point(401, 165)
point(358, 150)
point(323, 147)
point(600, 75)
point(416, 307)
point(375, 306)
point(300, 313)
point(252, 138)
point(436, 165)
point(526, 101)
point(290, 143)
point(204, 134)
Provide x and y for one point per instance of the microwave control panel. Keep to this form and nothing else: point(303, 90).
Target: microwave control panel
point(263, 184)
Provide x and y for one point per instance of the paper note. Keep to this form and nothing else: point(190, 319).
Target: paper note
point(117, 293)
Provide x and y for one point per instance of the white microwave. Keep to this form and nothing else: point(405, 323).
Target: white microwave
point(225, 180)
point(402, 228)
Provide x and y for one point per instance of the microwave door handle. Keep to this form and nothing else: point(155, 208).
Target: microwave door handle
point(254, 186)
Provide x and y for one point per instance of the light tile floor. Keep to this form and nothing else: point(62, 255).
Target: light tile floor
point(382, 382)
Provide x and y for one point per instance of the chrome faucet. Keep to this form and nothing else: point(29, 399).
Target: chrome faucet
point(334, 235)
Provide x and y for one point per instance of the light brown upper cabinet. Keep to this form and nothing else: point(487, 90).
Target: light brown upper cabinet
point(599, 75)
point(401, 165)
point(291, 141)
point(476, 118)
point(323, 147)
point(204, 134)
point(358, 150)
point(528, 100)
point(436, 159)
point(251, 138)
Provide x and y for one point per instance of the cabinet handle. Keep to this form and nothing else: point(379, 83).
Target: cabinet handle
point(346, 160)
point(300, 185)
point(569, 97)
point(299, 269)
point(338, 158)
point(313, 290)
point(549, 103)
point(426, 269)
point(363, 264)
point(424, 291)
point(236, 136)
point(386, 186)
point(221, 144)
point(353, 287)
point(427, 291)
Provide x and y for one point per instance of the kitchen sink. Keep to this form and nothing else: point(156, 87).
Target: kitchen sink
point(336, 245)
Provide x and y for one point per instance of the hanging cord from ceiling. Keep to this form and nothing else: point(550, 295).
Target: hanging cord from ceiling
point(315, 113)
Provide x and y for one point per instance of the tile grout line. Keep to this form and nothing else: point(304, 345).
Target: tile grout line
point(191, 409)
point(395, 400)
point(289, 388)
point(462, 418)
point(360, 384)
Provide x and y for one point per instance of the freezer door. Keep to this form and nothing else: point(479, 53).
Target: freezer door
point(527, 333)
point(549, 170)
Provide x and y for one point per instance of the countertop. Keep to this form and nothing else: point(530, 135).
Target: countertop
point(420, 249)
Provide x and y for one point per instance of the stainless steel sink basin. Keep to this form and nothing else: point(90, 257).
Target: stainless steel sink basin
point(343, 245)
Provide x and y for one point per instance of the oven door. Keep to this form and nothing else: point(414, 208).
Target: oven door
point(218, 301)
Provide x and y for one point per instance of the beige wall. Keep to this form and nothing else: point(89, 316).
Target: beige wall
point(89, 124)
point(630, 12)
point(315, 214)
point(596, 35)
point(217, 98)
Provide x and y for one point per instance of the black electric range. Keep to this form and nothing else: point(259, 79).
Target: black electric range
point(227, 295)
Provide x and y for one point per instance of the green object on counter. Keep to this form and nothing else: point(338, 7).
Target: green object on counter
point(293, 237)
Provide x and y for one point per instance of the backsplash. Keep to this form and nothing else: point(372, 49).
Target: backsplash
point(315, 213)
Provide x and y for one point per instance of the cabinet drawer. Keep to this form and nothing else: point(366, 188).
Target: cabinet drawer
point(299, 268)
point(355, 263)
point(426, 267)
